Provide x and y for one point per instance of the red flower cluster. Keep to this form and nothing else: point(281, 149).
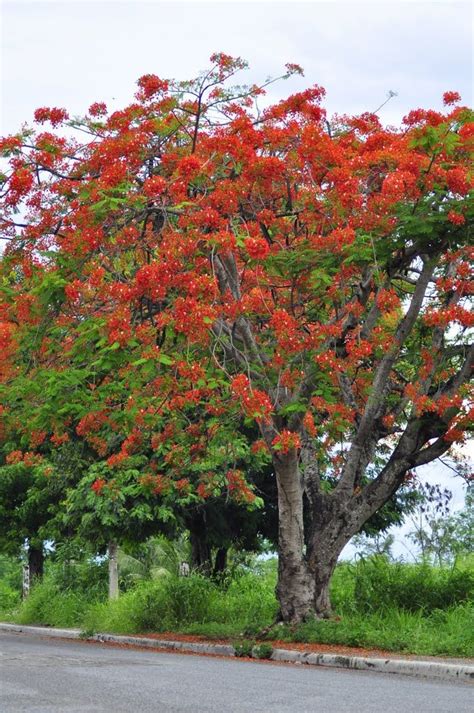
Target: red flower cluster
point(451, 98)
point(458, 181)
point(91, 423)
point(14, 457)
point(257, 248)
point(8, 144)
point(98, 109)
point(447, 315)
point(238, 487)
point(154, 186)
point(289, 338)
point(387, 300)
point(57, 439)
point(98, 485)
point(255, 403)
point(150, 85)
point(456, 218)
point(119, 327)
point(20, 184)
point(286, 441)
point(54, 115)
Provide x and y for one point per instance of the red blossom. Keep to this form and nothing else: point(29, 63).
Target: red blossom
point(451, 98)
point(150, 85)
point(54, 115)
point(98, 109)
point(255, 403)
point(458, 181)
point(456, 218)
point(98, 485)
point(14, 457)
point(257, 248)
point(154, 186)
point(9, 143)
point(286, 441)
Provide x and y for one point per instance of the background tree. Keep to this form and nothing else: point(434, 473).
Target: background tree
point(438, 534)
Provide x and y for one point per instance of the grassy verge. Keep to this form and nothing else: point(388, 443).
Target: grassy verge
point(396, 607)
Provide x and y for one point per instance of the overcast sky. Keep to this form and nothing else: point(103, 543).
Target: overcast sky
point(69, 54)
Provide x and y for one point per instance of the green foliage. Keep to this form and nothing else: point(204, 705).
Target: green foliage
point(448, 632)
point(155, 558)
point(243, 648)
point(11, 572)
point(9, 598)
point(380, 585)
point(177, 603)
point(391, 606)
point(47, 605)
point(262, 651)
point(10, 584)
point(73, 572)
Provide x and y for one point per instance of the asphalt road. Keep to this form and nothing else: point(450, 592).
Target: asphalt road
point(50, 676)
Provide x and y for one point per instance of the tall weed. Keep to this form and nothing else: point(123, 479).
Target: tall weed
point(380, 585)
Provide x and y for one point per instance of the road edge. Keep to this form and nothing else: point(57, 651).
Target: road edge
point(407, 667)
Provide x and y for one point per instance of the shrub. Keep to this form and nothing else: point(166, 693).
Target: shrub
point(243, 647)
point(51, 607)
point(262, 651)
point(381, 585)
point(9, 598)
point(89, 576)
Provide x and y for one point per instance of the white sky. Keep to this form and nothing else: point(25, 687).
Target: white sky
point(69, 54)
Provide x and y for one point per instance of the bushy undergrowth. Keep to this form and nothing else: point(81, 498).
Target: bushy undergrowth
point(10, 583)
point(9, 598)
point(413, 608)
point(175, 603)
point(380, 585)
point(48, 605)
point(443, 632)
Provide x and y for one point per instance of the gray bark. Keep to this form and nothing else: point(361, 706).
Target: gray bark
point(295, 588)
point(113, 570)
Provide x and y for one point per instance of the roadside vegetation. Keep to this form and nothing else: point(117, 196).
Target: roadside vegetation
point(411, 608)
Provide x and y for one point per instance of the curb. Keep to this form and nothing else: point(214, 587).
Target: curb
point(426, 669)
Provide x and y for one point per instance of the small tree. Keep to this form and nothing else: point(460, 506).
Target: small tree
point(438, 534)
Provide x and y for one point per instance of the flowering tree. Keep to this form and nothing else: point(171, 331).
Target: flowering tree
point(192, 256)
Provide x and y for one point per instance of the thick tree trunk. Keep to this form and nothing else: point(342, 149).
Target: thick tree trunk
point(322, 567)
point(220, 562)
point(35, 562)
point(295, 588)
point(304, 572)
point(201, 558)
point(113, 571)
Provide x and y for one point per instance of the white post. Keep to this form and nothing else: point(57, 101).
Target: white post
point(26, 581)
point(113, 571)
point(183, 569)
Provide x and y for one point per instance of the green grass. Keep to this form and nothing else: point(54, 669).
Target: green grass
point(192, 604)
point(446, 633)
point(47, 605)
point(396, 607)
point(379, 585)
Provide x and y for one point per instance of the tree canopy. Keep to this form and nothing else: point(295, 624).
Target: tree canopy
point(191, 265)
